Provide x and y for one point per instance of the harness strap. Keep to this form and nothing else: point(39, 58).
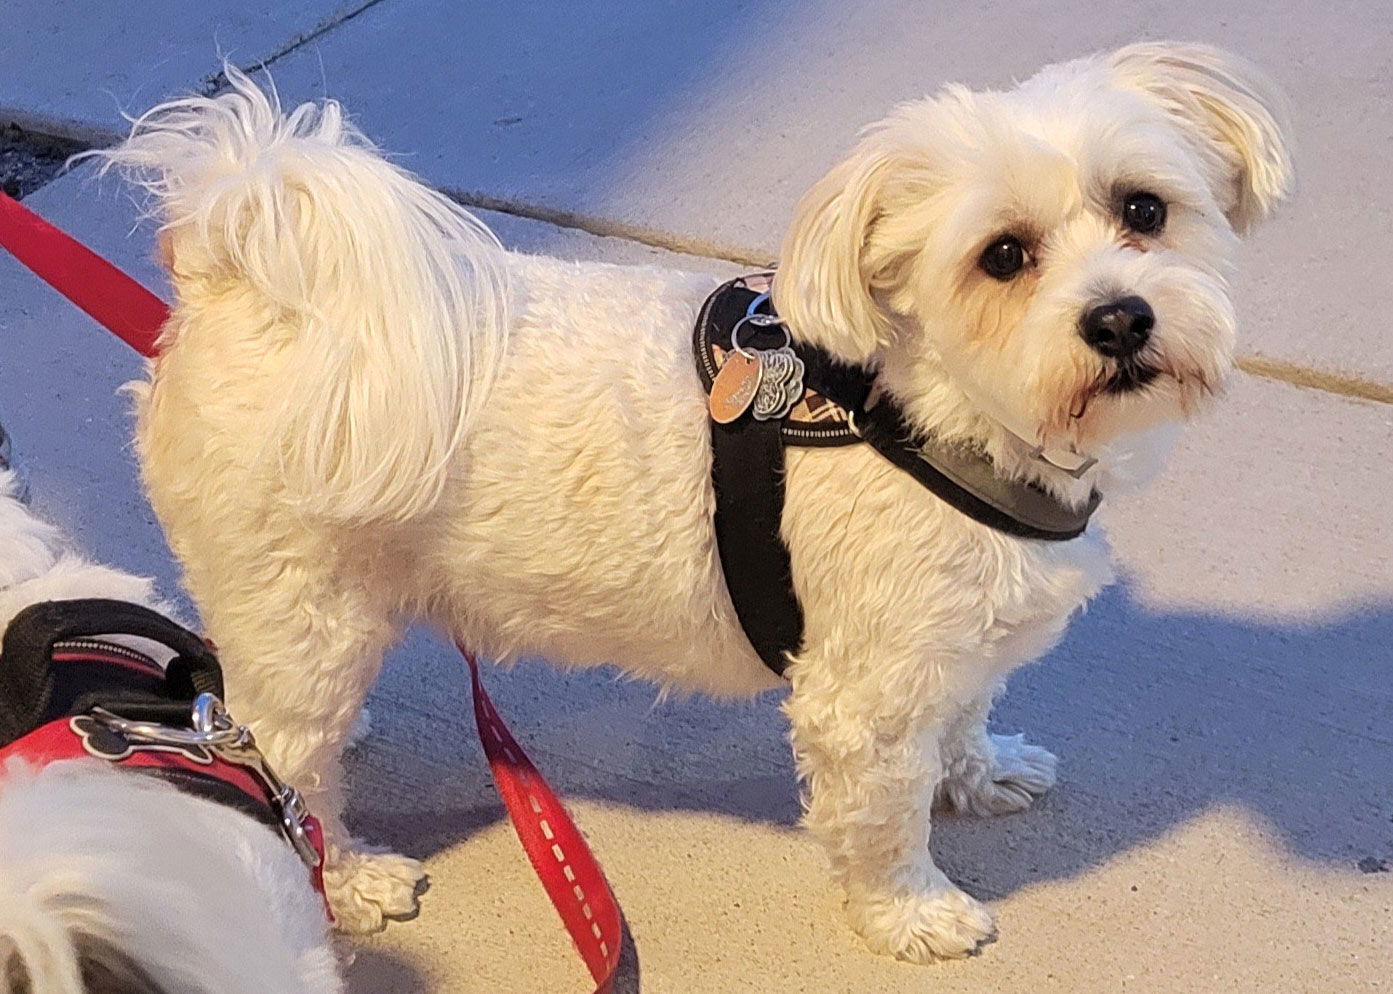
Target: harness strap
point(70, 689)
point(748, 468)
point(202, 774)
point(747, 472)
point(27, 679)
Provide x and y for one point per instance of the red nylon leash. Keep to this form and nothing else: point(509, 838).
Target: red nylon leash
point(114, 300)
point(564, 863)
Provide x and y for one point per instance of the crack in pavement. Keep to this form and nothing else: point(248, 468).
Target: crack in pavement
point(214, 82)
point(1312, 378)
point(602, 227)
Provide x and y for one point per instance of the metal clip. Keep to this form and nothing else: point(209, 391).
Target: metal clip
point(214, 729)
point(206, 732)
point(761, 320)
point(210, 715)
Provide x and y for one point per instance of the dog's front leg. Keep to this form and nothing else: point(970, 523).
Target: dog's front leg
point(871, 765)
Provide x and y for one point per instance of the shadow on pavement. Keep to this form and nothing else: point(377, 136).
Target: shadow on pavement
point(1156, 717)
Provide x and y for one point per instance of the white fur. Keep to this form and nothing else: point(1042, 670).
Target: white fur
point(375, 389)
point(574, 517)
point(94, 861)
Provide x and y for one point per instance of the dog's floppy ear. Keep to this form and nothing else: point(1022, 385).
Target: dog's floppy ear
point(823, 287)
point(1239, 116)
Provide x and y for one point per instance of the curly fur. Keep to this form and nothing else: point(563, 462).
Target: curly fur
point(569, 514)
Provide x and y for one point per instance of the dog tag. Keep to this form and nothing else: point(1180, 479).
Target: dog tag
point(780, 386)
point(735, 386)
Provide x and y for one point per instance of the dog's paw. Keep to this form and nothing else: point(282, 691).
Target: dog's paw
point(1015, 774)
point(362, 729)
point(921, 928)
point(367, 888)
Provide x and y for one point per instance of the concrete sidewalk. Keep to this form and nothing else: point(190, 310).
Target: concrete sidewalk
point(1224, 716)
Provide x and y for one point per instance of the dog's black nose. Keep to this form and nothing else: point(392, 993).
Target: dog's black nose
point(1118, 329)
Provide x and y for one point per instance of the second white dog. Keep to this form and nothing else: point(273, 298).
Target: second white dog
point(366, 412)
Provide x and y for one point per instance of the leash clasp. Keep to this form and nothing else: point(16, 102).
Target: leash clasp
point(212, 728)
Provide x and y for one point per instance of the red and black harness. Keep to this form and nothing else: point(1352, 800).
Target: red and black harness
point(72, 686)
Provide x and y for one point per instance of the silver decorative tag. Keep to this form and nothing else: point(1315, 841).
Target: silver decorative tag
point(780, 386)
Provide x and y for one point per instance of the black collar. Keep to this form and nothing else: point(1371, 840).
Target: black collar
point(964, 478)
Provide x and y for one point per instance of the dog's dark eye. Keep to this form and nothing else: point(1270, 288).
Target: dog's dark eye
point(1144, 213)
point(1003, 258)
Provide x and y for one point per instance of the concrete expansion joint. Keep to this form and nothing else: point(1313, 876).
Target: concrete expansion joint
point(216, 81)
point(31, 140)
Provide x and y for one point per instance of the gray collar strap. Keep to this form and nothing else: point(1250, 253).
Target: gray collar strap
point(969, 481)
point(834, 408)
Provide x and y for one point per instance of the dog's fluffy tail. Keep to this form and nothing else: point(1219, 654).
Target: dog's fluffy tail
point(391, 299)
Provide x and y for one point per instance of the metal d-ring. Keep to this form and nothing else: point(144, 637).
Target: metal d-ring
point(758, 321)
point(753, 311)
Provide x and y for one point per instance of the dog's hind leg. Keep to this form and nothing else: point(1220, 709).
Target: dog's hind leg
point(987, 774)
point(871, 764)
point(300, 655)
point(338, 326)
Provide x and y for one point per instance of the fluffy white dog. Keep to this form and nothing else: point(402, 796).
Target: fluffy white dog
point(366, 412)
point(119, 883)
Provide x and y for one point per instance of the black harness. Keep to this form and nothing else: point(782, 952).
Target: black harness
point(55, 662)
point(748, 466)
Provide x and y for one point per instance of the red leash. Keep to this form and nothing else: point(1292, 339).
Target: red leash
point(563, 861)
point(114, 300)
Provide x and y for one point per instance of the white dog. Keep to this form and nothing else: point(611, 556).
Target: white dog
point(366, 412)
point(119, 883)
